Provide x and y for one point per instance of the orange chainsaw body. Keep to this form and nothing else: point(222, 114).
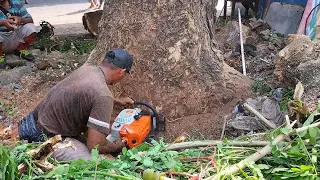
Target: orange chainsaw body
point(136, 132)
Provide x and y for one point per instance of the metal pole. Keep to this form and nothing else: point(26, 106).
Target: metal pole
point(241, 44)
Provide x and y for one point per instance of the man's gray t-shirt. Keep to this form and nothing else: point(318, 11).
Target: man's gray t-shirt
point(81, 100)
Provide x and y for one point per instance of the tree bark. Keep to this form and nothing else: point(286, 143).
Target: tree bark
point(177, 67)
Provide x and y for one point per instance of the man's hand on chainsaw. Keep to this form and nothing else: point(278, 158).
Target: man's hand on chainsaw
point(95, 138)
point(119, 144)
point(124, 101)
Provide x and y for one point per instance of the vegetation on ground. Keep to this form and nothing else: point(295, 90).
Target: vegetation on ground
point(296, 159)
point(78, 46)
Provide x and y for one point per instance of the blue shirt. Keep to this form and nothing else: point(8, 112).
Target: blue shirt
point(16, 9)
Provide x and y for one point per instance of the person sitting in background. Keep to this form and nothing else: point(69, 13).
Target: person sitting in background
point(96, 4)
point(93, 4)
point(17, 30)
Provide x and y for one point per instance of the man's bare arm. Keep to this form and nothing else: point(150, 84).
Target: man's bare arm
point(20, 20)
point(95, 138)
point(26, 20)
point(123, 101)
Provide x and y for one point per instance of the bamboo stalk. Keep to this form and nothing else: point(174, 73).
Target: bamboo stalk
point(193, 144)
point(263, 119)
point(224, 127)
point(241, 44)
point(287, 120)
point(109, 175)
point(259, 154)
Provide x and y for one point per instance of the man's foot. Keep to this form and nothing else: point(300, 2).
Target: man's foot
point(24, 54)
point(2, 61)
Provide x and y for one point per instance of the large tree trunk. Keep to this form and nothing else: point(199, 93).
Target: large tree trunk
point(176, 66)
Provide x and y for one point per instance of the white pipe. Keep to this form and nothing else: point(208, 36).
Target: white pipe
point(241, 44)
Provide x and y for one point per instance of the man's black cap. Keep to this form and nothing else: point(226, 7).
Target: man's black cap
point(120, 58)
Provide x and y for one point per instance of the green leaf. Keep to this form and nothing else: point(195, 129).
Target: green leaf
point(303, 133)
point(313, 140)
point(124, 166)
point(148, 162)
point(295, 169)
point(313, 132)
point(263, 166)
point(8, 168)
point(306, 168)
point(124, 151)
point(94, 154)
point(285, 131)
point(314, 159)
point(136, 157)
point(311, 117)
point(279, 169)
point(59, 170)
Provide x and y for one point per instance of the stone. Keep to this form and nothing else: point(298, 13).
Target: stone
point(251, 40)
point(14, 75)
point(43, 64)
point(35, 52)
point(308, 73)
point(248, 49)
point(61, 61)
point(234, 35)
point(255, 24)
point(54, 64)
point(271, 47)
point(56, 54)
point(15, 61)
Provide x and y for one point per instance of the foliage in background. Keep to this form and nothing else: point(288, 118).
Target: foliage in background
point(260, 87)
point(9, 109)
point(77, 46)
point(287, 97)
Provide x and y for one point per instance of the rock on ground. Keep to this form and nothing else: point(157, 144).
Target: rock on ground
point(14, 75)
point(14, 61)
point(299, 61)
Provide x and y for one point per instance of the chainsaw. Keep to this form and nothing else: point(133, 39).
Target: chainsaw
point(135, 126)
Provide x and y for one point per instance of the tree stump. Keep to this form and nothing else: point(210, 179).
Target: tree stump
point(177, 67)
point(90, 21)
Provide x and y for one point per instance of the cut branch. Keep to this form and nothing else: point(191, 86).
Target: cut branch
point(224, 127)
point(259, 154)
point(193, 144)
point(263, 119)
point(40, 154)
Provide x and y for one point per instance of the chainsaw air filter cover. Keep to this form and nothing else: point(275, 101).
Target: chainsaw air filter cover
point(135, 125)
point(126, 116)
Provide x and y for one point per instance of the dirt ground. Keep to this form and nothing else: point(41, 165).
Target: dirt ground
point(22, 99)
point(209, 125)
point(260, 45)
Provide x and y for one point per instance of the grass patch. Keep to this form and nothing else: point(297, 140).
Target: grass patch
point(260, 87)
point(77, 46)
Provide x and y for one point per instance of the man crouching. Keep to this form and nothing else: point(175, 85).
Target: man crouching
point(79, 109)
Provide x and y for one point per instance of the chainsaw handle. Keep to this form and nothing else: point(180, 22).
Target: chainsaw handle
point(155, 113)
